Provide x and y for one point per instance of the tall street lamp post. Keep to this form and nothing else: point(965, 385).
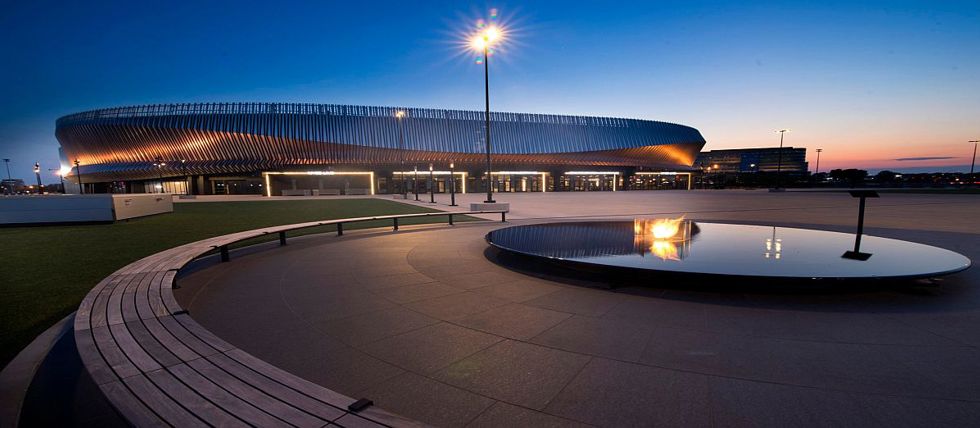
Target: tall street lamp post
point(818, 161)
point(401, 152)
point(187, 181)
point(78, 174)
point(160, 164)
point(432, 186)
point(37, 174)
point(779, 161)
point(452, 184)
point(482, 42)
point(415, 182)
point(7, 162)
point(61, 178)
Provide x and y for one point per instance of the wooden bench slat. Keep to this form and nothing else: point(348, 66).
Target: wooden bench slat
point(353, 421)
point(311, 389)
point(185, 337)
point(129, 297)
point(132, 349)
point(167, 295)
point(151, 345)
point(112, 354)
point(114, 304)
point(200, 407)
point(164, 407)
point(202, 333)
point(98, 368)
point(254, 396)
point(98, 315)
point(303, 402)
point(222, 398)
point(142, 306)
point(129, 406)
point(157, 308)
point(168, 340)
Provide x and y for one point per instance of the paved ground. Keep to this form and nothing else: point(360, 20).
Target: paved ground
point(424, 323)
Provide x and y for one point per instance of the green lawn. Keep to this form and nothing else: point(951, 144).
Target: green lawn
point(46, 271)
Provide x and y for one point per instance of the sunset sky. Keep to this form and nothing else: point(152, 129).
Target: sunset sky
point(875, 84)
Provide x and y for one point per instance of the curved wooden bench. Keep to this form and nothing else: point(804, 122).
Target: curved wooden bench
point(158, 367)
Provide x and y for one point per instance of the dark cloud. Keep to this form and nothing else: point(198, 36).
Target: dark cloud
point(922, 158)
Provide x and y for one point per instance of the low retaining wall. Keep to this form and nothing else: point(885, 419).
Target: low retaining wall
point(82, 208)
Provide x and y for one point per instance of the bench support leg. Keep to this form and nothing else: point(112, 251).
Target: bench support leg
point(395, 223)
point(340, 229)
point(282, 238)
point(503, 217)
point(224, 253)
point(450, 219)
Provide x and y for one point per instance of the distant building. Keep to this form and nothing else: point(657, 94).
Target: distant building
point(765, 159)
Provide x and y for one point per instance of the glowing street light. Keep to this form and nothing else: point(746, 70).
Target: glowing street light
point(60, 172)
point(78, 174)
point(483, 41)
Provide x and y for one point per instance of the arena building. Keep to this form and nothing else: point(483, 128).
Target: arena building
point(317, 149)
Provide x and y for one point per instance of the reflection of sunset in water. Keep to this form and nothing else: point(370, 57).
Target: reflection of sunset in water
point(664, 238)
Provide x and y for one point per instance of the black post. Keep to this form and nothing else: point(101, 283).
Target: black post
point(78, 173)
point(224, 253)
point(415, 184)
point(450, 219)
point(972, 163)
point(860, 230)
point(282, 238)
point(486, 88)
point(432, 190)
point(452, 184)
point(340, 229)
point(394, 222)
point(503, 216)
point(856, 254)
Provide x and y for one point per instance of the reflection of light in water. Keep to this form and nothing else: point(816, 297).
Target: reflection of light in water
point(774, 247)
point(664, 238)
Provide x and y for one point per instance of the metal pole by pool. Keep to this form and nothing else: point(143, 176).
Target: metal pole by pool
point(432, 189)
point(452, 184)
point(486, 89)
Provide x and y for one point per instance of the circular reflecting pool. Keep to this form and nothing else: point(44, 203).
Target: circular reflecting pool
point(685, 247)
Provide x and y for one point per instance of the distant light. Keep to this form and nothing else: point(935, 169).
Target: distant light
point(400, 114)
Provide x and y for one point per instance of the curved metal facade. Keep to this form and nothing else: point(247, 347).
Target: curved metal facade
point(227, 138)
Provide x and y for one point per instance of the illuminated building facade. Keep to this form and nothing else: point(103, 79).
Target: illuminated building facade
point(310, 149)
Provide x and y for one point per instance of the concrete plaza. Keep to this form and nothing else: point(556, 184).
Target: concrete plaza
point(427, 324)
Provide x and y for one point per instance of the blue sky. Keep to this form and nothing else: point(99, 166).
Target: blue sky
point(869, 82)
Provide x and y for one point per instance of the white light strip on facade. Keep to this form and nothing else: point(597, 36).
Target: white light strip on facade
point(591, 173)
point(423, 173)
point(268, 187)
point(670, 173)
point(517, 173)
